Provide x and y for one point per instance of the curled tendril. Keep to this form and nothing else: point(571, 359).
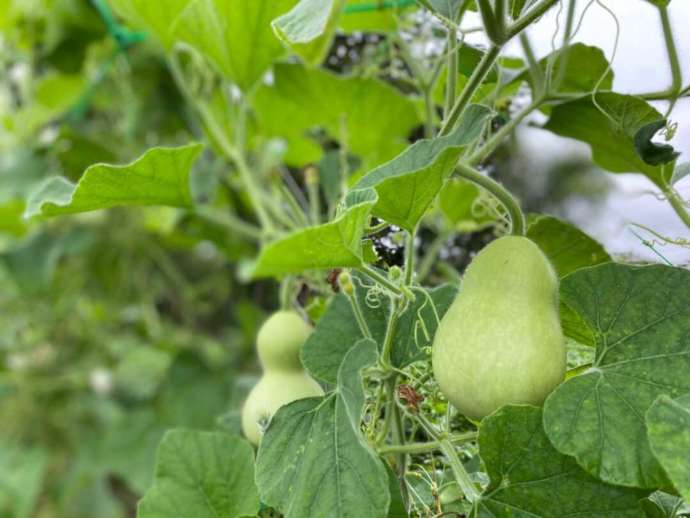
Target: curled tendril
point(373, 293)
point(610, 64)
point(670, 130)
point(419, 322)
point(660, 239)
point(487, 206)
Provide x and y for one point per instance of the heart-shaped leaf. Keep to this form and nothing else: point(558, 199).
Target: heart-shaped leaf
point(408, 184)
point(640, 320)
point(313, 459)
point(336, 244)
point(530, 478)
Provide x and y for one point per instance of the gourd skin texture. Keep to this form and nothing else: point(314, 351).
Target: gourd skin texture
point(501, 342)
point(284, 379)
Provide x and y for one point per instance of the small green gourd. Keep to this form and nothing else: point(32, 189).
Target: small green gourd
point(500, 342)
point(284, 379)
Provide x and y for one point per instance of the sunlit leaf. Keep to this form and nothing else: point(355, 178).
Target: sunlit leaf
point(229, 32)
point(156, 17)
point(408, 184)
point(309, 100)
point(309, 28)
point(640, 319)
point(332, 245)
point(159, 177)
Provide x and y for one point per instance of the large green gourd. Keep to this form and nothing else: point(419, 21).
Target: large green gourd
point(501, 342)
point(284, 379)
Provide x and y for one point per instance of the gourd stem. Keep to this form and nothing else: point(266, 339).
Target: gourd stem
point(359, 316)
point(678, 205)
point(461, 476)
point(475, 80)
point(425, 447)
point(409, 257)
point(398, 435)
point(506, 199)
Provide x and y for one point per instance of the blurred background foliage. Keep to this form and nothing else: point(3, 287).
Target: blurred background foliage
point(117, 325)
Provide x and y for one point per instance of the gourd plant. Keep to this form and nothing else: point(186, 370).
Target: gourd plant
point(319, 165)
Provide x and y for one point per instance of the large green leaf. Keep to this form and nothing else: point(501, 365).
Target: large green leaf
point(337, 330)
point(335, 244)
point(156, 17)
point(408, 184)
point(584, 68)
point(640, 320)
point(202, 474)
point(301, 101)
point(568, 249)
point(668, 428)
point(314, 461)
point(309, 27)
point(530, 478)
point(235, 35)
point(566, 246)
point(612, 137)
point(159, 177)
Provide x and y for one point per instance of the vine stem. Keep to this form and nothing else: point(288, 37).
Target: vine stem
point(678, 205)
point(409, 257)
point(445, 444)
point(523, 22)
point(425, 447)
point(226, 146)
point(475, 80)
point(517, 219)
point(495, 140)
point(676, 74)
point(359, 316)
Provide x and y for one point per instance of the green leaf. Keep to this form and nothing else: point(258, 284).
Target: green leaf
point(202, 474)
point(337, 330)
point(566, 246)
point(11, 221)
point(309, 100)
point(309, 27)
point(612, 137)
point(235, 35)
point(568, 249)
point(156, 17)
point(584, 67)
point(314, 461)
point(530, 478)
point(651, 152)
point(408, 184)
point(159, 177)
point(661, 505)
point(336, 244)
point(640, 320)
point(359, 16)
point(668, 429)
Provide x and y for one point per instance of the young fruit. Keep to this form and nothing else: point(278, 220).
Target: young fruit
point(284, 379)
point(501, 342)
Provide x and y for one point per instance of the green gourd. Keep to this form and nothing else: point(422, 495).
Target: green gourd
point(284, 379)
point(500, 342)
